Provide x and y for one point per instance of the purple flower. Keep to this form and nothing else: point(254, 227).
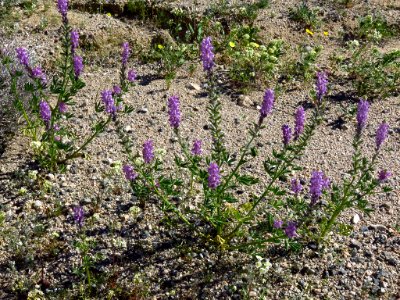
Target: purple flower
point(108, 101)
point(383, 175)
point(129, 172)
point(299, 123)
point(74, 40)
point(63, 8)
point(196, 149)
point(214, 178)
point(296, 186)
point(362, 114)
point(207, 54)
point(268, 104)
point(321, 85)
point(287, 134)
point(278, 224)
point(78, 65)
point(117, 90)
point(290, 229)
point(131, 75)
point(317, 183)
point(56, 127)
point(45, 112)
point(62, 107)
point(125, 53)
point(23, 56)
point(381, 135)
point(148, 151)
point(174, 111)
point(39, 74)
point(79, 215)
point(57, 138)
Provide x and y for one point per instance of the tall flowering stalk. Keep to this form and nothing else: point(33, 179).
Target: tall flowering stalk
point(299, 122)
point(174, 111)
point(321, 85)
point(207, 54)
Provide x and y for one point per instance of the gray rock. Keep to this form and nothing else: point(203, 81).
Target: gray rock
point(355, 244)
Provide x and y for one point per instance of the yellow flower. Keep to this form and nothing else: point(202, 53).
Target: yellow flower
point(326, 33)
point(309, 32)
point(109, 14)
point(232, 44)
point(159, 46)
point(254, 45)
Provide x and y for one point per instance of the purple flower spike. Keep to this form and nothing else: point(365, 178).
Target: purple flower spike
point(278, 224)
point(132, 75)
point(383, 175)
point(287, 134)
point(321, 85)
point(296, 186)
point(362, 114)
point(207, 54)
point(196, 150)
point(62, 107)
point(174, 111)
point(63, 9)
point(117, 90)
point(290, 229)
point(268, 104)
point(381, 135)
point(108, 101)
point(214, 178)
point(129, 172)
point(148, 151)
point(125, 53)
point(79, 215)
point(299, 123)
point(45, 112)
point(316, 186)
point(23, 56)
point(74, 40)
point(39, 74)
point(78, 65)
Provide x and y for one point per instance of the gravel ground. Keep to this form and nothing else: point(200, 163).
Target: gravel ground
point(142, 253)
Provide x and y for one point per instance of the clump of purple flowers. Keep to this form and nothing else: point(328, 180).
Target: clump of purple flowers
point(62, 107)
point(45, 112)
point(125, 53)
point(318, 183)
point(299, 122)
point(79, 215)
point(267, 105)
point(108, 101)
point(196, 149)
point(362, 115)
point(290, 229)
point(174, 111)
point(117, 90)
point(381, 135)
point(278, 224)
point(148, 151)
point(23, 56)
point(39, 74)
point(384, 175)
point(287, 134)
point(63, 9)
point(78, 65)
point(207, 54)
point(131, 75)
point(214, 178)
point(74, 40)
point(129, 172)
point(295, 186)
point(321, 85)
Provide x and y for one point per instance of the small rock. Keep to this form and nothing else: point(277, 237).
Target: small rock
point(356, 219)
point(355, 244)
point(377, 227)
point(253, 294)
point(244, 101)
point(38, 204)
point(128, 129)
point(143, 110)
point(194, 86)
point(50, 176)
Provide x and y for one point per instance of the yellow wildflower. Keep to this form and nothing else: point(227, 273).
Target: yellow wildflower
point(326, 33)
point(109, 14)
point(232, 44)
point(309, 32)
point(159, 46)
